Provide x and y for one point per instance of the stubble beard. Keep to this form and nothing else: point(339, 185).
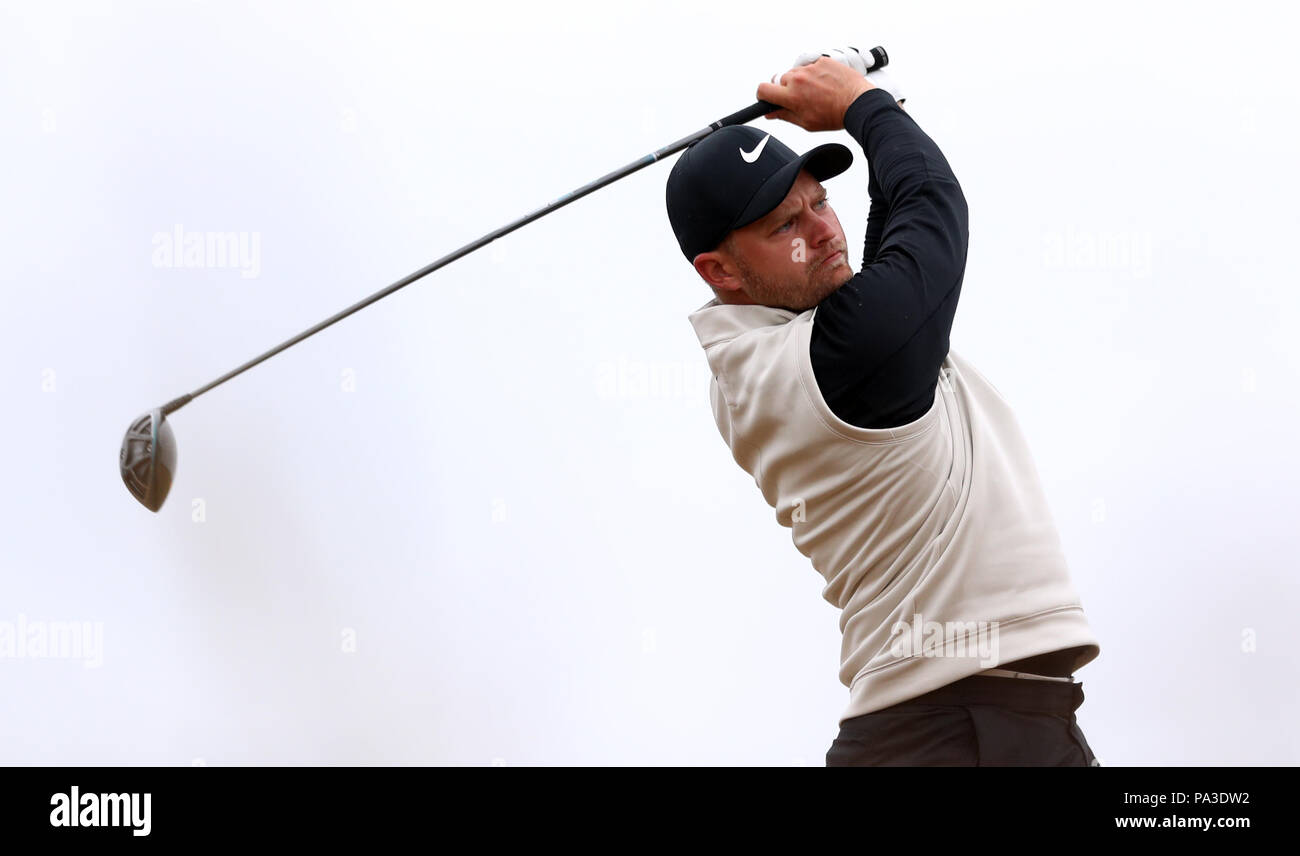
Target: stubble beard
point(793, 296)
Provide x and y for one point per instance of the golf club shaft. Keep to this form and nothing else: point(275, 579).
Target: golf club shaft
point(740, 117)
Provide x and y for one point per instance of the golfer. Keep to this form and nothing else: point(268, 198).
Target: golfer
point(901, 471)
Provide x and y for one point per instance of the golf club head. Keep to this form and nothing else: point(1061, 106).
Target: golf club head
point(148, 459)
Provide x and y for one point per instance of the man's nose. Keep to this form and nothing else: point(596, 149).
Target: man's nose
point(823, 228)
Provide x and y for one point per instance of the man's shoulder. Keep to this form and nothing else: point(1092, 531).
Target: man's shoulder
point(717, 322)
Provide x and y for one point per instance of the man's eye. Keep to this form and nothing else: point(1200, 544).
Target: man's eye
point(786, 225)
point(823, 201)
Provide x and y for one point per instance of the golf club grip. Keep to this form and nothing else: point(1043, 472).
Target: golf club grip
point(749, 114)
point(762, 108)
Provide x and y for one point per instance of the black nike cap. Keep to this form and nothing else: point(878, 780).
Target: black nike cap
point(734, 176)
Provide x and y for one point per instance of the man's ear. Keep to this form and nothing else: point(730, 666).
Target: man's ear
point(719, 271)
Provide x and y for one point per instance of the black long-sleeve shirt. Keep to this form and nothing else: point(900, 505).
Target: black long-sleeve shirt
point(879, 341)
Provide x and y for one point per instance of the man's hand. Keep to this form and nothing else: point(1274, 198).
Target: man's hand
point(815, 97)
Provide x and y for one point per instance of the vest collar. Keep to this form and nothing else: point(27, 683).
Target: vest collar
point(716, 322)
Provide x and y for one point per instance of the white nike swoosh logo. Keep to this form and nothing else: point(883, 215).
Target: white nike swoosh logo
point(750, 157)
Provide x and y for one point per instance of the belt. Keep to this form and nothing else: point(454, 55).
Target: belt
point(1007, 673)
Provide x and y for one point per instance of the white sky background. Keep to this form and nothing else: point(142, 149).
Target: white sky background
point(543, 562)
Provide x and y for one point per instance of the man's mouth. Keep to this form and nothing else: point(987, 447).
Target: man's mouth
point(838, 255)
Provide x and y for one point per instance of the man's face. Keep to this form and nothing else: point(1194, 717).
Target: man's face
point(791, 259)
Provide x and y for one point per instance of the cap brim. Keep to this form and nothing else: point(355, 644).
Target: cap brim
point(823, 162)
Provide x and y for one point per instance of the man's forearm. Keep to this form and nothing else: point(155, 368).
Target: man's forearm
point(888, 136)
point(876, 217)
point(879, 212)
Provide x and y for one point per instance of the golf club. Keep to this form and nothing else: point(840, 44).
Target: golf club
point(148, 457)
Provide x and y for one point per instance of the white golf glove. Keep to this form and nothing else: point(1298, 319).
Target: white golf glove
point(854, 59)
